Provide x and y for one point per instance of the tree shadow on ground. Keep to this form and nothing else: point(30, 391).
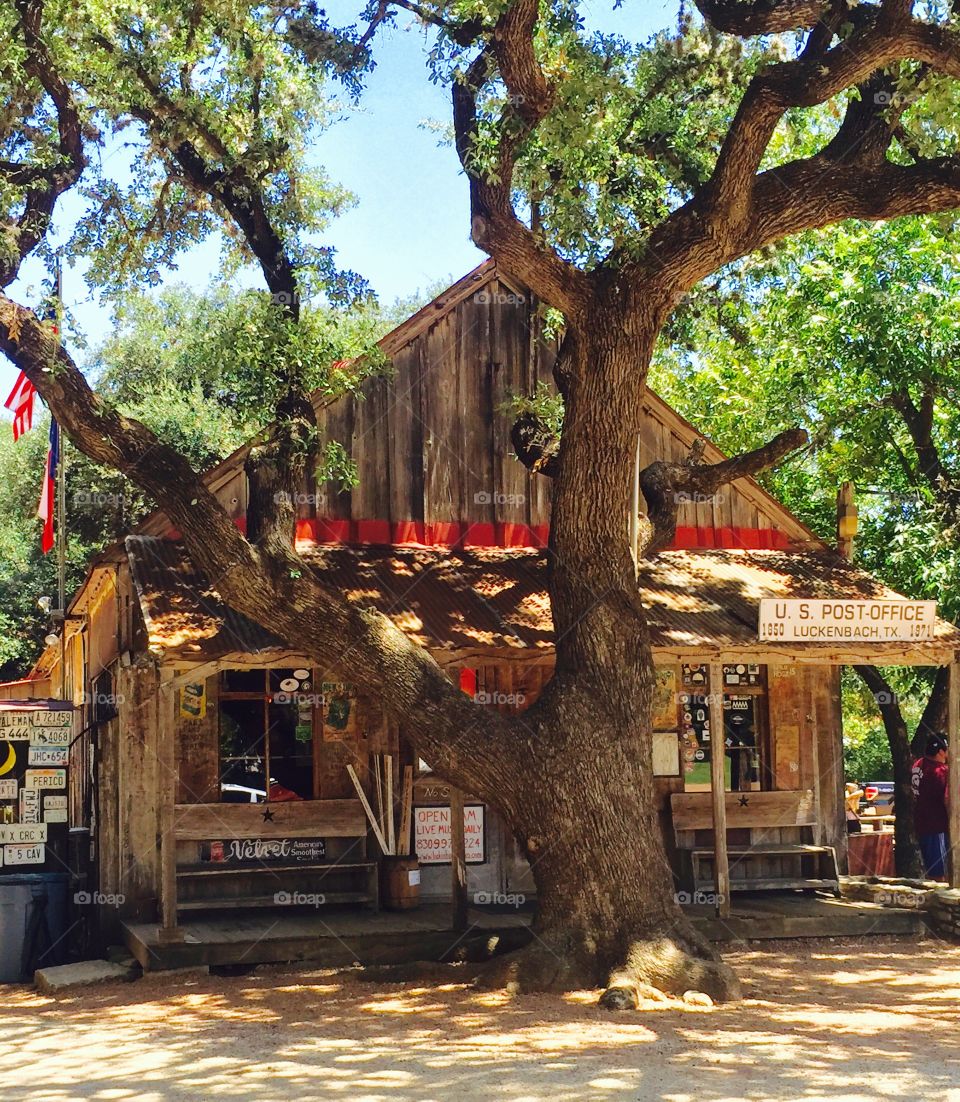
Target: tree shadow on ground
point(820, 1020)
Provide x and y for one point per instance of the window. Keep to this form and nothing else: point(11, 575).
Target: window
point(266, 736)
point(744, 712)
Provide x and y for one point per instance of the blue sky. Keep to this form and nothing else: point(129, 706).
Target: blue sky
point(410, 227)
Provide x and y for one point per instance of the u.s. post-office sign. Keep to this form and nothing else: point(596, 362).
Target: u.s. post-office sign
point(842, 621)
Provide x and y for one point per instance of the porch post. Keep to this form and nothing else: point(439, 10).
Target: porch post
point(721, 862)
point(458, 863)
point(166, 800)
point(953, 794)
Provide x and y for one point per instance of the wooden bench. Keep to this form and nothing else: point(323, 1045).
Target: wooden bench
point(777, 853)
point(215, 886)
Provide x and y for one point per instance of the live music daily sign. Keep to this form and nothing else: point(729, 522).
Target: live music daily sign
point(824, 621)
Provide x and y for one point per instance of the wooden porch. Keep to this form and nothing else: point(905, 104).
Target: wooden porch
point(341, 939)
point(335, 939)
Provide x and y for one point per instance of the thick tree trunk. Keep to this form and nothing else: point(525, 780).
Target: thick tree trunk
point(586, 813)
point(934, 718)
point(906, 849)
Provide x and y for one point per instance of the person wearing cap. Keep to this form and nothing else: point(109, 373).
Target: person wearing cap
point(930, 806)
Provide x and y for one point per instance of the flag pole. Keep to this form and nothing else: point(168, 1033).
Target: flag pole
point(61, 505)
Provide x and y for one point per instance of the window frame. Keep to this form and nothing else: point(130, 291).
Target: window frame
point(266, 698)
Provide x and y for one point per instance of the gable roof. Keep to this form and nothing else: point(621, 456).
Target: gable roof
point(441, 306)
point(418, 323)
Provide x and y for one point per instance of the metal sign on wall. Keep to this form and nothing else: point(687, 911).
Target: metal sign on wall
point(841, 621)
point(34, 747)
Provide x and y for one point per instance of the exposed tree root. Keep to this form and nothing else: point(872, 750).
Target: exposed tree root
point(673, 964)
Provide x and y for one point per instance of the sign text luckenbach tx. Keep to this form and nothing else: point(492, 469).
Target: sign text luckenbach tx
point(825, 621)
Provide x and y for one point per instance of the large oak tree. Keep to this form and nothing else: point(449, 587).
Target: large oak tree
point(646, 169)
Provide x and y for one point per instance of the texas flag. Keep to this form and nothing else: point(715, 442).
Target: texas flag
point(46, 510)
point(20, 403)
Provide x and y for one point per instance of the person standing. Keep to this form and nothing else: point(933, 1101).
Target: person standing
point(851, 803)
point(929, 780)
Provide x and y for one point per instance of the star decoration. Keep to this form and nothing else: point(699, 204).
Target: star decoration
point(268, 816)
point(743, 801)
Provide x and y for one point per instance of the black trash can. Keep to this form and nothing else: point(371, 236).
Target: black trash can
point(34, 919)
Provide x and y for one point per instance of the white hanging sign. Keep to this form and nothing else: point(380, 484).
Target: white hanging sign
point(433, 836)
point(22, 833)
point(841, 621)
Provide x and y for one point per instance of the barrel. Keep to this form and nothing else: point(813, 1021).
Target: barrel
point(400, 883)
point(33, 923)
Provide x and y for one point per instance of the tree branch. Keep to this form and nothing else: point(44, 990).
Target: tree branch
point(277, 467)
point(879, 38)
point(905, 841)
point(667, 486)
point(761, 16)
point(930, 467)
point(43, 186)
point(271, 584)
point(226, 182)
point(537, 448)
point(495, 227)
point(741, 209)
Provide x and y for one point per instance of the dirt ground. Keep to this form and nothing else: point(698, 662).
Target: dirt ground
point(838, 1021)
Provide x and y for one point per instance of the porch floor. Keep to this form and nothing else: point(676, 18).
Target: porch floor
point(762, 915)
point(334, 938)
point(338, 939)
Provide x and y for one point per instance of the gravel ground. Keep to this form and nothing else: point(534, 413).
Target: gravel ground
point(829, 1020)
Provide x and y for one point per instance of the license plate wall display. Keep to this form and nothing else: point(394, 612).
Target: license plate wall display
point(34, 753)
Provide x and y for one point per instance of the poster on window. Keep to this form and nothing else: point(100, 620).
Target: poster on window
point(665, 699)
point(339, 710)
point(433, 835)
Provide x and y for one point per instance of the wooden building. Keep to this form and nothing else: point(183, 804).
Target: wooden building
point(211, 767)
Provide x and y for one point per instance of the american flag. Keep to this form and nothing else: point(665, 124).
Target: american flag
point(20, 403)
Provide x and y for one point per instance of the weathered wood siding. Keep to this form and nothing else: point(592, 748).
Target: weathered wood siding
point(431, 442)
point(135, 861)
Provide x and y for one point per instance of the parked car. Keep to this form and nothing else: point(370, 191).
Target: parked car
point(877, 798)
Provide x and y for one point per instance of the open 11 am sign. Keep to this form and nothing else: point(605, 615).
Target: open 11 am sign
point(35, 741)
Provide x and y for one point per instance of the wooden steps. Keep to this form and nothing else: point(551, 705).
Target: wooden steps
point(253, 902)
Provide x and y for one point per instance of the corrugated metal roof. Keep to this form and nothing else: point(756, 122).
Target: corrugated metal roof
point(442, 600)
point(711, 597)
point(452, 600)
point(181, 608)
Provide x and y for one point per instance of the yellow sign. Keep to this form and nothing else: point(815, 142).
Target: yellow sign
point(193, 701)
